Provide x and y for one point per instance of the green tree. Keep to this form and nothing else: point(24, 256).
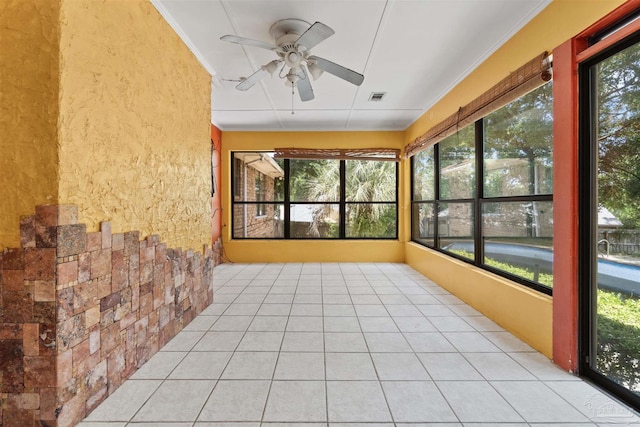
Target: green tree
point(522, 129)
point(618, 135)
point(365, 182)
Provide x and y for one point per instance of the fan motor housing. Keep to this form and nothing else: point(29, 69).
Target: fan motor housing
point(286, 31)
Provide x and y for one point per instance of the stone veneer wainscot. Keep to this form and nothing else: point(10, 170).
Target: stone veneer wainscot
point(81, 312)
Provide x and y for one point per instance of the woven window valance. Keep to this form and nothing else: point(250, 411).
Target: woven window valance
point(531, 75)
point(380, 154)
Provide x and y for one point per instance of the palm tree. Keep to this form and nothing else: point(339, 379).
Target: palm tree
point(367, 183)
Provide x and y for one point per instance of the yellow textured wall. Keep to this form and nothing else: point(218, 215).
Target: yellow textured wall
point(305, 250)
point(28, 111)
point(134, 123)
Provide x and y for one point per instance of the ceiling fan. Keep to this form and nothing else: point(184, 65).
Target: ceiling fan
point(294, 39)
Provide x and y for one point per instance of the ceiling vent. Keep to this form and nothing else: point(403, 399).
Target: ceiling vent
point(377, 96)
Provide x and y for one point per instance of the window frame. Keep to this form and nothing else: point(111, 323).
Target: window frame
point(478, 201)
point(342, 203)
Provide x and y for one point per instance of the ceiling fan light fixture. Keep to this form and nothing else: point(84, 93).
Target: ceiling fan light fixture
point(271, 67)
point(314, 70)
point(294, 39)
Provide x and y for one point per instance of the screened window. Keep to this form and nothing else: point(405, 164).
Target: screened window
point(319, 199)
point(484, 194)
point(258, 207)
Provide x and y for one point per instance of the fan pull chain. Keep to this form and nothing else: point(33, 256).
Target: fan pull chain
point(292, 113)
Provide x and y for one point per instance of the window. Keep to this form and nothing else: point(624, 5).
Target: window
point(484, 194)
point(609, 218)
point(258, 202)
point(324, 199)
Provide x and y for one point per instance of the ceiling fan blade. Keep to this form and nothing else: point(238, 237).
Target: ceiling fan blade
point(248, 42)
point(252, 79)
point(338, 70)
point(304, 85)
point(314, 35)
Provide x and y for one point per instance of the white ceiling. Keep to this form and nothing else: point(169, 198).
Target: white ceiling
point(414, 50)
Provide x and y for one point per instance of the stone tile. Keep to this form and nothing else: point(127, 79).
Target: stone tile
point(201, 323)
point(429, 342)
point(414, 324)
point(31, 339)
point(349, 366)
point(540, 366)
point(305, 324)
point(123, 404)
point(40, 263)
point(159, 366)
point(27, 232)
point(131, 243)
point(470, 342)
point(536, 402)
point(477, 401)
point(13, 259)
point(356, 401)
point(250, 366)
point(94, 241)
point(591, 402)
point(433, 310)
point(300, 366)
point(343, 299)
point(47, 215)
point(497, 366)
point(67, 272)
point(184, 341)
point(399, 366)
point(236, 400)
point(268, 324)
point(403, 310)
point(344, 342)
point(18, 307)
point(232, 323)
point(11, 354)
point(117, 242)
point(417, 401)
point(360, 299)
point(448, 366)
point(261, 341)
point(163, 405)
point(303, 341)
point(201, 365)
point(306, 310)
point(378, 324)
point(67, 214)
point(242, 309)
point(217, 341)
point(296, 401)
point(100, 263)
point(46, 236)
point(450, 324)
point(39, 371)
point(386, 342)
point(506, 341)
point(341, 324)
point(13, 281)
point(330, 310)
point(369, 310)
point(307, 299)
point(274, 310)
